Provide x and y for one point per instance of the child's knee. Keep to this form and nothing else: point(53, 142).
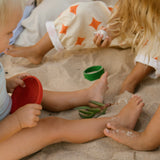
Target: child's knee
point(54, 127)
point(53, 122)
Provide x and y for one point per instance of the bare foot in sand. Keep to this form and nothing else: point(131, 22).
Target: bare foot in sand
point(121, 130)
point(129, 114)
point(97, 90)
point(124, 136)
point(31, 53)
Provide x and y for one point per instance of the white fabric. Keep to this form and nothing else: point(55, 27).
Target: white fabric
point(53, 36)
point(90, 15)
point(150, 62)
point(5, 99)
point(47, 10)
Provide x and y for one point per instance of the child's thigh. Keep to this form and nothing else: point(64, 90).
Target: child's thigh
point(31, 140)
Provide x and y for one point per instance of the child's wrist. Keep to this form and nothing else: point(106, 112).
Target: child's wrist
point(18, 121)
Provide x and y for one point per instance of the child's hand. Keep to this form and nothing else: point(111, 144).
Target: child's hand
point(15, 81)
point(102, 41)
point(28, 115)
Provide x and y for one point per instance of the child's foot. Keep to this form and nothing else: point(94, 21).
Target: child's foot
point(124, 136)
point(130, 113)
point(31, 53)
point(97, 90)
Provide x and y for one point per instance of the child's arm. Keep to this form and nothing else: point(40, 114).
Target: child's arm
point(24, 117)
point(9, 126)
point(112, 30)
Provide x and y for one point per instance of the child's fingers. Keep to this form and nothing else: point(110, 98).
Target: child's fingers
point(103, 27)
point(21, 83)
point(105, 43)
point(37, 112)
point(99, 41)
point(19, 79)
point(23, 75)
point(36, 119)
point(34, 124)
point(37, 106)
point(95, 38)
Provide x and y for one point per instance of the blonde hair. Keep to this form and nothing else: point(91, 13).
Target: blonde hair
point(138, 17)
point(8, 7)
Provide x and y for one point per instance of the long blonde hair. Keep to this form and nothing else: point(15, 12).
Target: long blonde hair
point(139, 17)
point(8, 7)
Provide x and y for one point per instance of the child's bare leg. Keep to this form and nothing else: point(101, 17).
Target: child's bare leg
point(147, 140)
point(53, 130)
point(139, 72)
point(59, 101)
point(33, 53)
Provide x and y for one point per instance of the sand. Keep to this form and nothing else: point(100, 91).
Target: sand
point(64, 72)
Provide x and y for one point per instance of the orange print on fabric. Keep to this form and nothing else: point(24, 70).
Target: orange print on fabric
point(156, 58)
point(64, 29)
point(95, 23)
point(110, 8)
point(73, 9)
point(79, 41)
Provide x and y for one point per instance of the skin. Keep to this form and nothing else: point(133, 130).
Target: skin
point(138, 73)
point(25, 126)
point(25, 121)
point(7, 29)
point(36, 53)
point(62, 130)
point(33, 53)
point(149, 139)
point(103, 43)
point(135, 77)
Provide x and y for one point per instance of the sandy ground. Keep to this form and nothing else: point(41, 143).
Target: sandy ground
point(64, 72)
